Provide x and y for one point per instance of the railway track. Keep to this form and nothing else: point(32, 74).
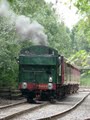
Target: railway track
point(33, 109)
point(57, 110)
point(13, 104)
point(56, 116)
point(7, 112)
point(82, 112)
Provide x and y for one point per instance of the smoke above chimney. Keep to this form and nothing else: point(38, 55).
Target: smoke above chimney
point(25, 28)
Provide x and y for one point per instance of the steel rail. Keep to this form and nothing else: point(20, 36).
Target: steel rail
point(53, 117)
point(8, 117)
point(87, 119)
point(11, 105)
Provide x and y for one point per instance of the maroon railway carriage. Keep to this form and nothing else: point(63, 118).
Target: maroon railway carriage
point(71, 77)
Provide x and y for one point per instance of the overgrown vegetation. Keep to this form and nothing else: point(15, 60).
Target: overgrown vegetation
point(81, 38)
point(73, 44)
point(85, 79)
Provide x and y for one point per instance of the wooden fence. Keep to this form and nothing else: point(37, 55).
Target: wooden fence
point(9, 93)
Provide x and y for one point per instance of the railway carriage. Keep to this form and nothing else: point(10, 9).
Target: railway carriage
point(45, 74)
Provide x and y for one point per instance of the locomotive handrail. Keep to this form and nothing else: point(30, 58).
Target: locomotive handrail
point(32, 71)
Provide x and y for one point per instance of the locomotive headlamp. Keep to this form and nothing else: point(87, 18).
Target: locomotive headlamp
point(50, 79)
point(24, 85)
point(50, 86)
point(59, 60)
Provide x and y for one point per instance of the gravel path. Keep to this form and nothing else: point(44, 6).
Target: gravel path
point(52, 109)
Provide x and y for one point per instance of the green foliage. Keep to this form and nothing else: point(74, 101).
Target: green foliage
point(81, 34)
point(80, 58)
point(8, 65)
point(85, 79)
point(55, 31)
point(83, 26)
point(75, 43)
point(83, 5)
point(10, 43)
point(80, 37)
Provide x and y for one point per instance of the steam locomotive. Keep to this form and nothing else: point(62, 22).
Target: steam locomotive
point(46, 75)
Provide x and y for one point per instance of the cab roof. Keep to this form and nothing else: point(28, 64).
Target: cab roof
point(39, 50)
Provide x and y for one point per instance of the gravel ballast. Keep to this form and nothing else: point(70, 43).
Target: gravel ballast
point(52, 109)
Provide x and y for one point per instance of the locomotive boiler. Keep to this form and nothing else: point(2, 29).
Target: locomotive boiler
point(46, 75)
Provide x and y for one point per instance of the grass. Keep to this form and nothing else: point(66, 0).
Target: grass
point(85, 80)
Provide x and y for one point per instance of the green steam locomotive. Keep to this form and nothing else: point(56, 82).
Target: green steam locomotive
point(46, 75)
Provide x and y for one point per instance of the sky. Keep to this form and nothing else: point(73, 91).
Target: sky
point(65, 12)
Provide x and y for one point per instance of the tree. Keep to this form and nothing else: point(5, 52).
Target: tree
point(83, 6)
point(10, 41)
point(83, 26)
point(56, 31)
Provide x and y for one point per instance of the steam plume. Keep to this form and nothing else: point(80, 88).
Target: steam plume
point(27, 29)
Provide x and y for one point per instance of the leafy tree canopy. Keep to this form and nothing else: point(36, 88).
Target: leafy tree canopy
point(83, 6)
point(10, 43)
